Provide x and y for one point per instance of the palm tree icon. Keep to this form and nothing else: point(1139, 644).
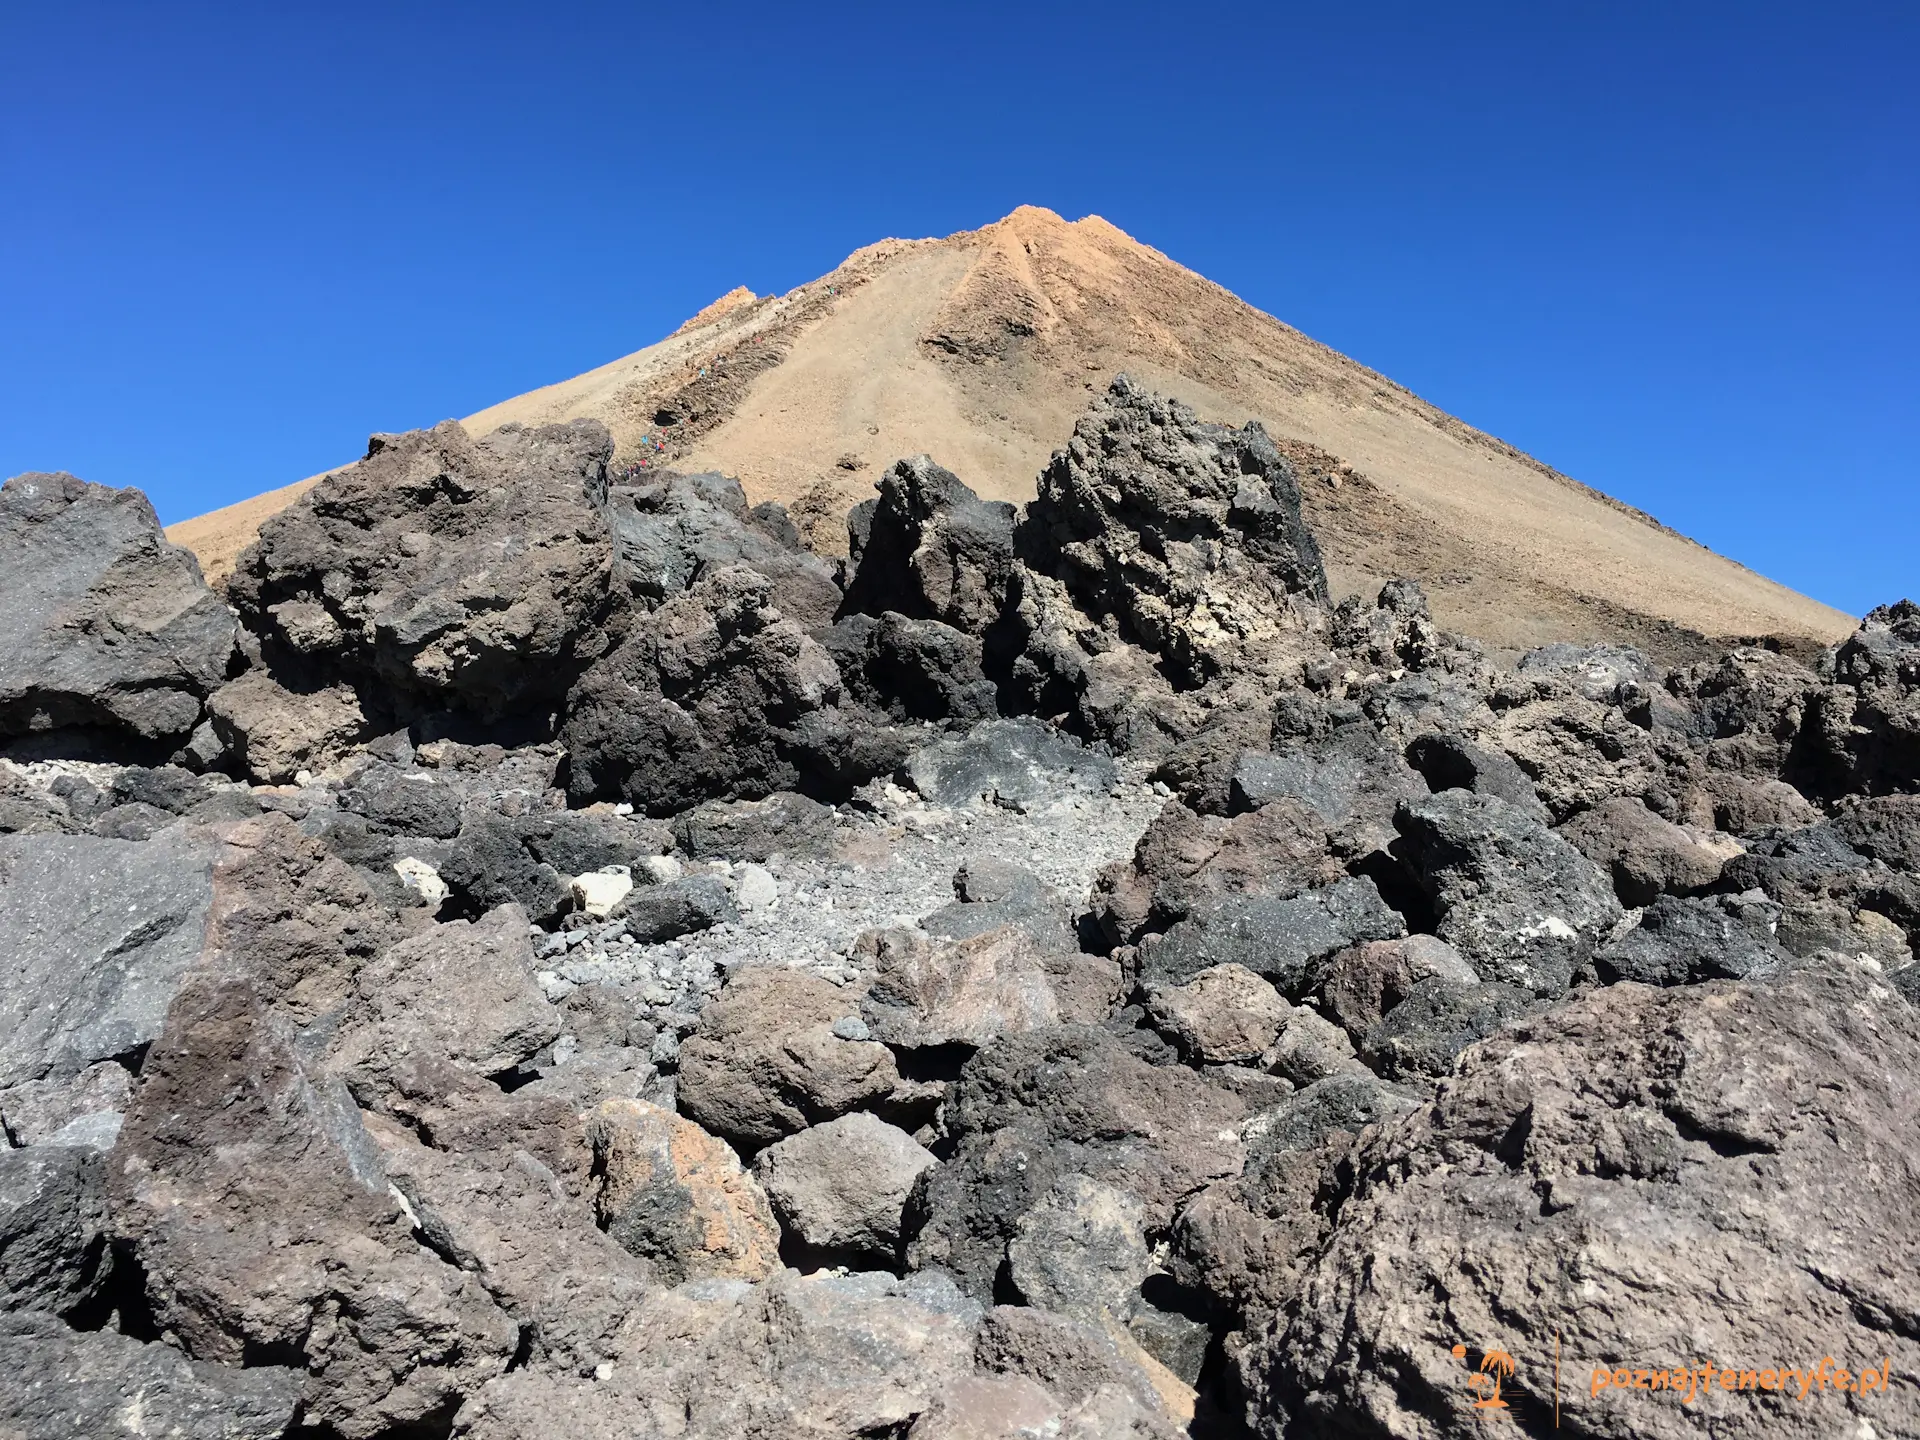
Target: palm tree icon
point(1495, 1365)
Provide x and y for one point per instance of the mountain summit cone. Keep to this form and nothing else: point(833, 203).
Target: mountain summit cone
point(982, 348)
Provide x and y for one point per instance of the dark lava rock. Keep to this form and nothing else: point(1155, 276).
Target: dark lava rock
point(1683, 941)
point(442, 571)
point(1280, 939)
point(718, 695)
point(95, 935)
point(1420, 1037)
point(1521, 904)
point(64, 1383)
point(110, 639)
point(527, 860)
point(930, 549)
point(1161, 525)
point(1030, 1109)
point(53, 1224)
point(1449, 763)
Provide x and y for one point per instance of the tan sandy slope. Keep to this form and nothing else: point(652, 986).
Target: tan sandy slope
point(982, 348)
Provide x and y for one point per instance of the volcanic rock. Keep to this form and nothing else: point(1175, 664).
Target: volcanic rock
point(442, 571)
point(718, 695)
point(1030, 1108)
point(1361, 985)
point(767, 1062)
point(1280, 939)
point(1418, 1039)
point(250, 1195)
point(676, 1197)
point(1648, 856)
point(1223, 1015)
point(670, 529)
point(860, 1354)
point(65, 1382)
point(839, 1188)
point(1769, 1125)
point(53, 1228)
point(94, 938)
point(109, 637)
point(781, 824)
point(1682, 942)
point(1521, 904)
point(930, 549)
point(274, 732)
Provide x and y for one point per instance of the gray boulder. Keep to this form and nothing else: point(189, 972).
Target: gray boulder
point(756, 830)
point(63, 1383)
point(1244, 1239)
point(669, 529)
point(839, 1188)
point(990, 892)
point(53, 1228)
point(1448, 762)
point(817, 1355)
point(504, 1193)
point(1280, 939)
point(1017, 764)
point(1884, 828)
point(1521, 904)
point(929, 548)
point(91, 1101)
point(109, 635)
point(1187, 863)
point(1419, 1039)
point(654, 913)
point(1861, 731)
point(1029, 1109)
point(94, 938)
point(1606, 674)
point(1349, 780)
point(26, 809)
point(441, 571)
point(719, 695)
point(912, 669)
point(460, 994)
point(1683, 941)
point(1081, 1250)
point(404, 802)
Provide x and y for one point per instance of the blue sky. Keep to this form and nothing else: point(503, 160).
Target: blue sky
point(1670, 249)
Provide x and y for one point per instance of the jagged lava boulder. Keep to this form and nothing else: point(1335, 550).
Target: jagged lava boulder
point(109, 636)
point(442, 572)
point(1644, 1178)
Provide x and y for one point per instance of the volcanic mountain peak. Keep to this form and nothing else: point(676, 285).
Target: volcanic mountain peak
point(982, 348)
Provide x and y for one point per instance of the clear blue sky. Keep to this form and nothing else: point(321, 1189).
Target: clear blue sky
point(1670, 249)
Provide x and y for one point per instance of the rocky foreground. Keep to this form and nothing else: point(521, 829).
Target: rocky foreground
point(553, 956)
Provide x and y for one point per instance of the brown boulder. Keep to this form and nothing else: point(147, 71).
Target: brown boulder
point(1642, 1178)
